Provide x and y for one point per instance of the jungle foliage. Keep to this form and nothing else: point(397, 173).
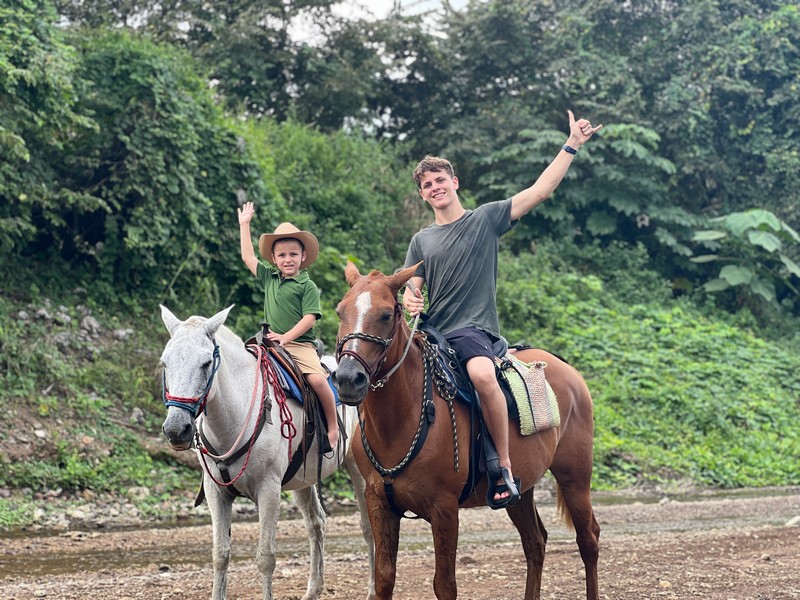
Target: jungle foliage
point(665, 265)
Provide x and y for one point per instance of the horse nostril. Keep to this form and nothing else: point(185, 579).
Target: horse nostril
point(360, 380)
point(186, 434)
point(339, 378)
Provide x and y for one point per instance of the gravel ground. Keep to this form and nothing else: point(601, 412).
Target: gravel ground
point(745, 547)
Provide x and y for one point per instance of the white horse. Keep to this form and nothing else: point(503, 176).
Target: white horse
point(210, 376)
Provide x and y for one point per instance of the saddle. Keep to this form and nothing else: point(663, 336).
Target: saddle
point(294, 385)
point(512, 376)
point(458, 374)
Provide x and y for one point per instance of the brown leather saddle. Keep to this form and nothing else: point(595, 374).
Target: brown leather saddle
point(315, 422)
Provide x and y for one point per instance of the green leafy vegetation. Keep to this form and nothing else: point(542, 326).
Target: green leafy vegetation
point(66, 415)
point(756, 250)
point(677, 394)
point(665, 267)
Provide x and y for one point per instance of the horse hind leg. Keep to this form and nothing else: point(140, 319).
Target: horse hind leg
point(314, 516)
point(533, 534)
point(575, 506)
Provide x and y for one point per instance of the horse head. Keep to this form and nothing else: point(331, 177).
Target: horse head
point(369, 319)
point(189, 362)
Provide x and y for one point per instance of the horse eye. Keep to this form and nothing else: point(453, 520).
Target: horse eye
point(385, 317)
point(206, 365)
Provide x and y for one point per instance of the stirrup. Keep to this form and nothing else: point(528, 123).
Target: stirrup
point(495, 488)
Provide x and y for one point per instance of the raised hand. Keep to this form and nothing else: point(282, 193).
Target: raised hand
point(581, 129)
point(246, 213)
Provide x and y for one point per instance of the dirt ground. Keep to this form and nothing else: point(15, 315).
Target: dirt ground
point(745, 547)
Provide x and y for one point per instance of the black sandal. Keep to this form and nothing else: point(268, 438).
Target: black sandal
point(498, 488)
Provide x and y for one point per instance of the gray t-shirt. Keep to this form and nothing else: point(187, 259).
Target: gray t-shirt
point(460, 267)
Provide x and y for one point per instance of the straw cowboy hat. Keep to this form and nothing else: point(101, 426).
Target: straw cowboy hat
point(287, 230)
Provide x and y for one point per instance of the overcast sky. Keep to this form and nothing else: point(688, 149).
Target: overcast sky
point(303, 29)
point(380, 8)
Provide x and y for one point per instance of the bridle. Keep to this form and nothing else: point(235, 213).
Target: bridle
point(433, 375)
point(386, 343)
point(194, 404)
point(377, 364)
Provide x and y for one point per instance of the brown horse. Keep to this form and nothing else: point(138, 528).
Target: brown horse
point(384, 373)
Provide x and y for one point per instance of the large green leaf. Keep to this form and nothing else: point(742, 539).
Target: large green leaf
point(765, 239)
point(792, 233)
point(716, 285)
point(792, 266)
point(704, 258)
point(765, 289)
point(708, 235)
point(755, 218)
point(736, 275)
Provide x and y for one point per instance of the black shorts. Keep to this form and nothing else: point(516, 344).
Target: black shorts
point(469, 342)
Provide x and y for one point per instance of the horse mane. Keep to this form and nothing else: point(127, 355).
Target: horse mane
point(229, 336)
point(223, 332)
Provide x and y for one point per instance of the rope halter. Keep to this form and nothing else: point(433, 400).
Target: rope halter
point(195, 404)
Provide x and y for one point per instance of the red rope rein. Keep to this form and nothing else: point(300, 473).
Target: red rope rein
point(288, 428)
point(268, 377)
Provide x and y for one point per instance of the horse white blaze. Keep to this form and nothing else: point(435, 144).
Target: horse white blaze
point(363, 304)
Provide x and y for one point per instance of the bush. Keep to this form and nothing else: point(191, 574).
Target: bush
point(676, 394)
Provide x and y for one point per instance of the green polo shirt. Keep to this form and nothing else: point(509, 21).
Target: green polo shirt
point(286, 301)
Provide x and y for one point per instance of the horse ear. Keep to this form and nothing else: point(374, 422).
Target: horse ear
point(170, 320)
point(400, 278)
point(214, 323)
point(351, 273)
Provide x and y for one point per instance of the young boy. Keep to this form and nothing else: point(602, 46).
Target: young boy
point(291, 301)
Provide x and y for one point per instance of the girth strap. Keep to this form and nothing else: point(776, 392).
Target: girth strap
point(224, 465)
point(299, 456)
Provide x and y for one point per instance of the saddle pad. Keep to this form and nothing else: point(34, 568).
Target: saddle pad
point(535, 399)
point(286, 379)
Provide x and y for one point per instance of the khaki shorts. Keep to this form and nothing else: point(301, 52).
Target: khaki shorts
point(305, 355)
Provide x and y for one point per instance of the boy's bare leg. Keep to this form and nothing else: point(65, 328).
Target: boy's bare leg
point(325, 394)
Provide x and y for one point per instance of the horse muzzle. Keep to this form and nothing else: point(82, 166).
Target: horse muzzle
point(179, 429)
point(352, 382)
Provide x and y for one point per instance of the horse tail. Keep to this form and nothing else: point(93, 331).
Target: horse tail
point(561, 508)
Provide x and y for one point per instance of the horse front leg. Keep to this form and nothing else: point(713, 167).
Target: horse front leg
point(314, 517)
point(219, 504)
point(359, 488)
point(385, 526)
point(533, 534)
point(444, 526)
point(269, 507)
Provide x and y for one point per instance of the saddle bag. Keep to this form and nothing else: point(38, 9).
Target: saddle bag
point(528, 393)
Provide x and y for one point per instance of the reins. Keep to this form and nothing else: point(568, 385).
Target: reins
point(433, 375)
point(382, 381)
point(268, 377)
